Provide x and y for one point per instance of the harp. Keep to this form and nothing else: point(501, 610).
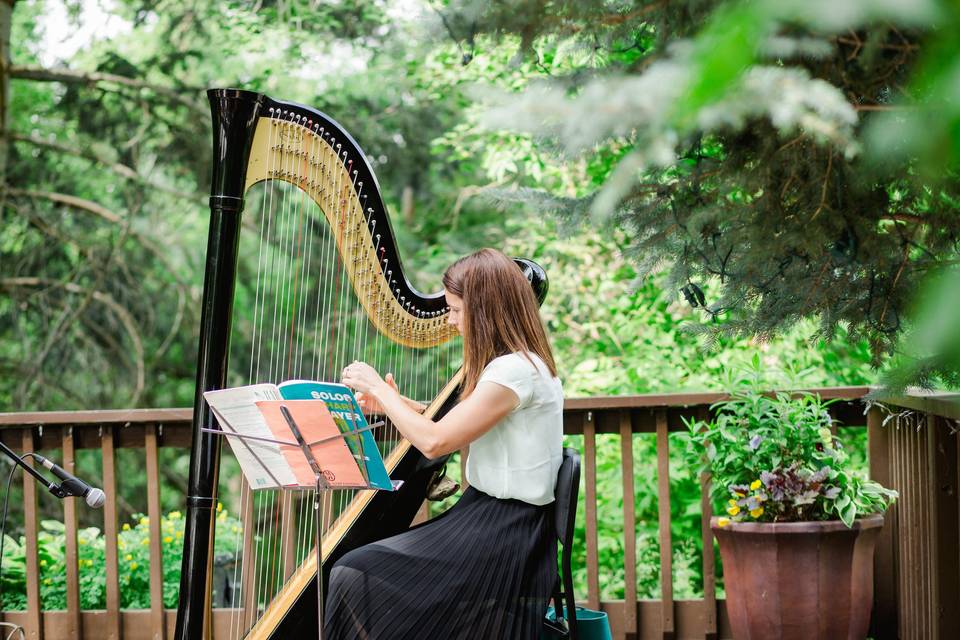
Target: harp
point(316, 266)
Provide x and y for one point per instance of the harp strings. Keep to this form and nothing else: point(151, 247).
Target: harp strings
point(301, 316)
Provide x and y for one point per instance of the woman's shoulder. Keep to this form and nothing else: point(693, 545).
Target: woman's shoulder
point(516, 359)
point(520, 363)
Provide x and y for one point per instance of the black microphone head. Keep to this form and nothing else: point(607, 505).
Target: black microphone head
point(95, 498)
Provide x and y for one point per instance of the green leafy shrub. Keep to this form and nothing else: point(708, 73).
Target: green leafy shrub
point(133, 549)
point(775, 457)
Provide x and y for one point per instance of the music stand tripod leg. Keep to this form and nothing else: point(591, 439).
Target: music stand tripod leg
point(318, 507)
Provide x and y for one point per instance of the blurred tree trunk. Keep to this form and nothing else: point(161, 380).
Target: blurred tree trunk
point(6, 16)
point(406, 205)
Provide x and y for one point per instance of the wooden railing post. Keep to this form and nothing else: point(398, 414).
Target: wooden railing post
point(590, 504)
point(709, 570)
point(72, 556)
point(111, 553)
point(708, 559)
point(946, 526)
point(629, 529)
point(666, 540)
point(157, 617)
point(34, 627)
point(884, 620)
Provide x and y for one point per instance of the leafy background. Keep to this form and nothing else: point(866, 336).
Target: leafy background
point(542, 128)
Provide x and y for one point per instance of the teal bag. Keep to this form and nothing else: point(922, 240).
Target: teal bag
point(591, 625)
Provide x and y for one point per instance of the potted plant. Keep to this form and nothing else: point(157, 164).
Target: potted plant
point(797, 527)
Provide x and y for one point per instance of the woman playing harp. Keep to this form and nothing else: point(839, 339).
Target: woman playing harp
point(485, 568)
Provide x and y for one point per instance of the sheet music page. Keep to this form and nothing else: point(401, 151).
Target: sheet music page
point(313, 419)
point(348, 417)
point(263, 463)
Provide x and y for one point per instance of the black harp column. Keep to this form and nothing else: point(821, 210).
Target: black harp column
point(234, 120)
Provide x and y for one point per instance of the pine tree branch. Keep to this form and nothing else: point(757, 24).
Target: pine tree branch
point(70, 76)
point(116, 167)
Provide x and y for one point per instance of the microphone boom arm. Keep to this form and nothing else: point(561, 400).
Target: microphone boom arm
point(52, 487)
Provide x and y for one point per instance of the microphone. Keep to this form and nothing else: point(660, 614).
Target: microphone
point(74, 486)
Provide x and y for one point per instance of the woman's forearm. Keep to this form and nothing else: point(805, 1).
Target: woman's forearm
point(415, 427)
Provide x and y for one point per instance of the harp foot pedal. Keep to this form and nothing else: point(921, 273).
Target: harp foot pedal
point(442, 487)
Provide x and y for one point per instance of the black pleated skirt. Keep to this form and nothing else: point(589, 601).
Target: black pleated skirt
point(483, 569)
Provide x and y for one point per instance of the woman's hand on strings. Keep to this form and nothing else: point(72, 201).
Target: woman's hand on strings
point(364, 379)
point(370, 404)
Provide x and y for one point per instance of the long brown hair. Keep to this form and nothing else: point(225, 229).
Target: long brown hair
point(500, 313)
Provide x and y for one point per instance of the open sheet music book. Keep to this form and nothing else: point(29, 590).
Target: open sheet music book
point(330, 420)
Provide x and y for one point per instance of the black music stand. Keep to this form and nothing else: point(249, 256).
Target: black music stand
point(321, 483)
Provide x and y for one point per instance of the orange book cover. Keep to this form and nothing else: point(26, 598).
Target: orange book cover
point(315, 423)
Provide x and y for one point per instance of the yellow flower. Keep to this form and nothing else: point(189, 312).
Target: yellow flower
point(174, 515)
point(756, 484)
point(739, 494)
point(722, 522)
point(43, 563)
point(89, 563)
point(733, 509)
point(179, 534)
point(81, 542)
point(756, 513)
point(168, 538)
point(128, 557)
point(133, 565)
point(126, 526)
point(732, 502)
point(145, 542)
point(144, 520)
point(222, 517)
point(219, 507)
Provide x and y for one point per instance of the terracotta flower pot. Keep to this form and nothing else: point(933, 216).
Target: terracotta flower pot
point(803, 580)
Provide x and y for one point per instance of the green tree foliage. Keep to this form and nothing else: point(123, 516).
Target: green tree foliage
point(780, 148)
point(104, 217)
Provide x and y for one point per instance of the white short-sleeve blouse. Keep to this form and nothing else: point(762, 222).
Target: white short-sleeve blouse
point(520, 456)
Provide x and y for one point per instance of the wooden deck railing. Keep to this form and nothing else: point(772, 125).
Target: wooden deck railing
point(914, 449)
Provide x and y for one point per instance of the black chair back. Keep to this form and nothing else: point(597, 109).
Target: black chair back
point(566, 492)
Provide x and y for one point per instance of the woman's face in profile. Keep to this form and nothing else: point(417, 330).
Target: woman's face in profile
point(455, 317)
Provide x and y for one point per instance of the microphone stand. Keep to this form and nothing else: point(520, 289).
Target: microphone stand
point(52, 487)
